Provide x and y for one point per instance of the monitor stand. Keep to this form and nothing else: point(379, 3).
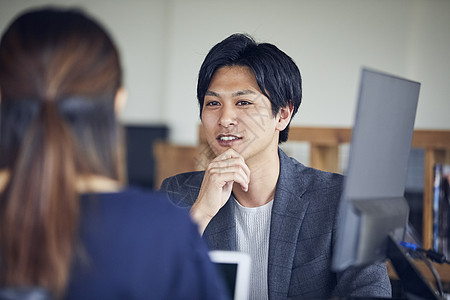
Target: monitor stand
point(414, 284)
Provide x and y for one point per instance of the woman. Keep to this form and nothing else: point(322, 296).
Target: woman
point(67, 222)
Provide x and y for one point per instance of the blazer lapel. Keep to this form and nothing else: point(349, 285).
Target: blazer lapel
point(288, 212)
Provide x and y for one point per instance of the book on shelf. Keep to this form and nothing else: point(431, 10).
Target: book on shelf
point(441, 209)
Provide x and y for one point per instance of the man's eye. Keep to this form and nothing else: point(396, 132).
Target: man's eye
point(212, 103)
point(243, 103)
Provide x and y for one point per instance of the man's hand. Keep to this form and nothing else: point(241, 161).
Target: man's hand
point(220, 175)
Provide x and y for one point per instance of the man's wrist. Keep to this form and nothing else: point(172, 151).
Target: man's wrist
point(201, 218)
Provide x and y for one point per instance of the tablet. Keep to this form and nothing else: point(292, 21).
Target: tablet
point(234, 267)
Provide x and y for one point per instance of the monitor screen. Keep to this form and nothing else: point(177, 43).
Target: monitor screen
point(234, 267)
point(372, 204)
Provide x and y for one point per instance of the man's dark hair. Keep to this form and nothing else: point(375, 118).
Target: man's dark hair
point(277, 75)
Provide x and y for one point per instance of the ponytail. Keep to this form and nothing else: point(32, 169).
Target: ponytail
point(59, 73)
point(40, 203)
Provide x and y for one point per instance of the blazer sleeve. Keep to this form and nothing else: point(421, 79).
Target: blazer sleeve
point(371, 280)
point(183, 189)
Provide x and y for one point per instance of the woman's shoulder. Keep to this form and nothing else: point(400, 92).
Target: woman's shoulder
point(143, 218)
point(140, 233)
point(133, 205)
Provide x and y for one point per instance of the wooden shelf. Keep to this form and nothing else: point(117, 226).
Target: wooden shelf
point(172, 159)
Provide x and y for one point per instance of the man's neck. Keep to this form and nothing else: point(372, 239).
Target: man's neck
point(263, 180)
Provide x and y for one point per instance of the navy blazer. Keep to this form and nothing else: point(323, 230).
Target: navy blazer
point(136, 245)
point(302, 234)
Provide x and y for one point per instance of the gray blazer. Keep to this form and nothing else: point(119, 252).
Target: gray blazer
point(302, 234)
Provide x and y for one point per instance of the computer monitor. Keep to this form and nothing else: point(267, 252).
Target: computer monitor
point(234, 266)
point(372, 205)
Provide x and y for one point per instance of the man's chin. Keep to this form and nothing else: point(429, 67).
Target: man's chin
point(218, 150)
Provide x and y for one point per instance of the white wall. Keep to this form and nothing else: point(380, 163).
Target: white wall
point(164, 42)
point(139, 29)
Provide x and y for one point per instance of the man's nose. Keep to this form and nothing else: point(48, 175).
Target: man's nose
point(228, 116)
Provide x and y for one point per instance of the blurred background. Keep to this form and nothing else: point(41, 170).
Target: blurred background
point(163, 43)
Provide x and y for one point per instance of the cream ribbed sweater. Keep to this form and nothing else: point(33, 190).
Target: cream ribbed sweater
point(252, 233)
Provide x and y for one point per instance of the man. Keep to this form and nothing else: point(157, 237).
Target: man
point(252, 197)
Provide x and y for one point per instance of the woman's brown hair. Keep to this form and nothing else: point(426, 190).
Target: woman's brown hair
point(59, 74)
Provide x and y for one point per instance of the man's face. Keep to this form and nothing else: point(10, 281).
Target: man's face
point(237, 115)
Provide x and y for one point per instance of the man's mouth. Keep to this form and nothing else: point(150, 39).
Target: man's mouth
point(226, 138)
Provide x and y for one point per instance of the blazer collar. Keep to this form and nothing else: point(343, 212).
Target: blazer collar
point(287, 216)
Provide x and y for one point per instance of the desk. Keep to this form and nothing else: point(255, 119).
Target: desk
point(442, 269)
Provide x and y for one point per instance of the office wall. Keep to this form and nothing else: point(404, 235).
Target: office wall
point(164, 42)
point(139, 29)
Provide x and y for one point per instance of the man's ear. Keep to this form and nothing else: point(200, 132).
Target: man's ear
point(120, 100)
point(284, 116)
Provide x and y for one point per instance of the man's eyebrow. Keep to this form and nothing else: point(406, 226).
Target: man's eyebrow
point(235, 94)
point(211, 93)
point(244, 92)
